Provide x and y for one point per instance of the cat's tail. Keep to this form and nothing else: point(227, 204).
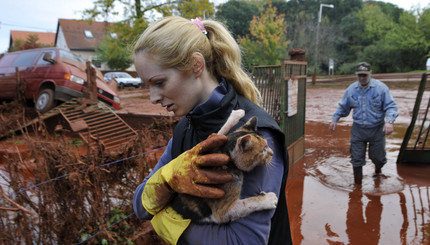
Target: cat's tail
point(232, 120)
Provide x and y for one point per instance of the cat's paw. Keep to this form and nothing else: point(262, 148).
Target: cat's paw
point(270, 199)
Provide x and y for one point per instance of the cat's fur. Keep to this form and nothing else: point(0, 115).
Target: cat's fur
point(247, 149)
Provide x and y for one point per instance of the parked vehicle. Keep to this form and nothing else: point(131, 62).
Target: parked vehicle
point(123, 79)
point(50, 75)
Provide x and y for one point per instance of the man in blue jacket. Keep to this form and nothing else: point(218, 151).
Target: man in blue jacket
point(374, 112)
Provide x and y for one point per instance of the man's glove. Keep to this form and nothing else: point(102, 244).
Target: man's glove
point(185, 175)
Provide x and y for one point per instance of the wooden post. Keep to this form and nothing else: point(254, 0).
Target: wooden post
point(91, 92)
point(20, 87)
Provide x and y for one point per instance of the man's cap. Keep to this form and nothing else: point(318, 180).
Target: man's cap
point(362, 68)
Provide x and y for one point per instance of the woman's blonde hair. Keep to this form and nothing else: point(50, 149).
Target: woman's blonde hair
point(172, 41)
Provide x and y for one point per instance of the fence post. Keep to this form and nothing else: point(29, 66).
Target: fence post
point(20, 87)
point(91, 92)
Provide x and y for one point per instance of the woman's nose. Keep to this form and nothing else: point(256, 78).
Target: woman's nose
point(154, 95)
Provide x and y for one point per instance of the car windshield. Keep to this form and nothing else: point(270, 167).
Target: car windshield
point(71, 56)
point(123, 75)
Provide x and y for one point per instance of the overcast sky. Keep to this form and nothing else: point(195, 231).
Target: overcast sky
point(43, 15)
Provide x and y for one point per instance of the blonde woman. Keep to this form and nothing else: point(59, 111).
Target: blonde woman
point(193, 68)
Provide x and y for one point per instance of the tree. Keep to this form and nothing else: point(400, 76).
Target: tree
point(115, 50)
point(302, 19)
point(195, 8)
point(116, 58)
point(266, 44)
point(363, 29)
point(237, 15)
point(103, 8)
point(30, 43)
point(392, 42)
point(355, 30)
point(409, 41)
point(376, 22)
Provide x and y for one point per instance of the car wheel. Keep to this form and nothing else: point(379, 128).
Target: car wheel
point(45, 100)
point(121, 85)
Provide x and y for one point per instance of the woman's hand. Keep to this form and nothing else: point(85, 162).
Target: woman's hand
point(188, 174)
point(185, 174)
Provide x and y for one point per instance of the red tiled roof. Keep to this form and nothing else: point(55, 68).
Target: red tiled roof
point(73, 31)
point(47, 38)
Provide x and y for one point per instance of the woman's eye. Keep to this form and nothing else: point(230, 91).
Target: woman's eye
point(159, 83)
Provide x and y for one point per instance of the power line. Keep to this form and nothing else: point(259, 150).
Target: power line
point(82, 170)
point(107, 228)
point(31, 27)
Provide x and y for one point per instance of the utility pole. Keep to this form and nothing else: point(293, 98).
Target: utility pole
point(317, 37)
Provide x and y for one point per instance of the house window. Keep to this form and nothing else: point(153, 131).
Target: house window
point(88, 34)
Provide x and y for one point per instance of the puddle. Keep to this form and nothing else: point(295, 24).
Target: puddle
point(325, 207)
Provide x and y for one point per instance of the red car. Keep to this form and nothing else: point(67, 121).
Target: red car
point(50, 75)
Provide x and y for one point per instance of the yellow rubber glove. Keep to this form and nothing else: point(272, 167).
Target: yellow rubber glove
point(169, 225)
point(185, 174)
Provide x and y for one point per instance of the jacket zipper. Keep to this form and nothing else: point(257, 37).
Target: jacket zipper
point(189, 121)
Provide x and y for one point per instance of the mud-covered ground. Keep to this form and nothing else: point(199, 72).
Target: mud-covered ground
point(324, 205)
point(136, 100)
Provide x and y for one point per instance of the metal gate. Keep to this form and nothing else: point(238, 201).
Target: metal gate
point(283, 88)
point(416, 143)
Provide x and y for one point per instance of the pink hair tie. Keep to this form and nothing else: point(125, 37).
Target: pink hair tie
point(198, 22)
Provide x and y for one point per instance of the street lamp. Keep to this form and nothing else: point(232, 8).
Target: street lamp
point(316, 45)
point(204, 15)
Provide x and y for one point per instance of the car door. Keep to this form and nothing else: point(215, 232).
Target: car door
point(37, 74)
point(7, 76)
point(25, 63)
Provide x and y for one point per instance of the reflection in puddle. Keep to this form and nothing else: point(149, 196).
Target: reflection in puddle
point(368, 223)
point(327, 208)
point(336, 172)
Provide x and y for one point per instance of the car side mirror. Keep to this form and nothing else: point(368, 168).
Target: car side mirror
point(48, 57)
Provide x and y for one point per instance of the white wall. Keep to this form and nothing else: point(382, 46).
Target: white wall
point(61, 41)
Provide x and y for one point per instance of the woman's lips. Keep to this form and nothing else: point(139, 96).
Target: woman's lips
point(169, 107)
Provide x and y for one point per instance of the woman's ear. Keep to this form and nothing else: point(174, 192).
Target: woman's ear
point(199, 64)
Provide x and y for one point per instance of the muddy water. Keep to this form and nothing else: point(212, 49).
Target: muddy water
point(324, 205)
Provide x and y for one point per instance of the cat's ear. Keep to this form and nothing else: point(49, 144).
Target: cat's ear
point(245, 142)
point(251, 124)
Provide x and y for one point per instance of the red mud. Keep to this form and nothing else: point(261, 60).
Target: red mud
point(137, 101)
point(324, 206)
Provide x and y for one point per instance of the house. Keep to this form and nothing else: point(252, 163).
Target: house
point(44, 38)
point(82, 38)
